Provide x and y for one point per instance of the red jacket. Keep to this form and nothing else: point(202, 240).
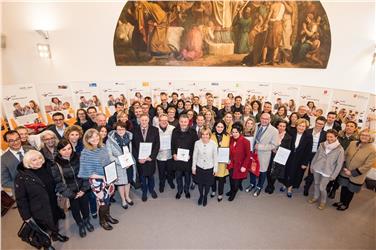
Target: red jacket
point(240, 155)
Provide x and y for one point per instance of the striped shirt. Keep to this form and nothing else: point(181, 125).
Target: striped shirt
point(93, 161)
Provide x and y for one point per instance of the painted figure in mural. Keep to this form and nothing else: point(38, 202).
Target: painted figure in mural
point(208, 33)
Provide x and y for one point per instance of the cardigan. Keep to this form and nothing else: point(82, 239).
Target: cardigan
point(205, 156)
point(93, 161)
point(328, 164)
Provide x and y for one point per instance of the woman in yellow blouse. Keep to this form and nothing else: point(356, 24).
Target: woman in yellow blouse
point(222, 139)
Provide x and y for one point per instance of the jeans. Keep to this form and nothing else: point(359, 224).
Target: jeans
point(147, 182)
point(261, 180)
point(179, 180)
point(92, 202)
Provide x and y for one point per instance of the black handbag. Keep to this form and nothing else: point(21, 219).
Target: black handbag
point(31, 233)
point(6, 202)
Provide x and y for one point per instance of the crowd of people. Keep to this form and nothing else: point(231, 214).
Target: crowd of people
point(188, 144)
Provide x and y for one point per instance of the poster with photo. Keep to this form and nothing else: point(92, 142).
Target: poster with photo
point(157, 87)
point(138, 90)
point(319, 96)
point(350, 105)
point(204, 88)
point(371, 114)
point(86, 94)
point(284, 94)
point(21, 105)
point(111, 93)
point(230, 90)
point(185, 89)
point(255, 91)
point(57, 98)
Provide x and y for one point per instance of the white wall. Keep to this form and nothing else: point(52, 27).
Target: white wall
point(81, 36)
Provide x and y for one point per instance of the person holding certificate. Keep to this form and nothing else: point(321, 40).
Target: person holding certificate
point(277, 170)
point(119, 145)
point(301, 148)
point(326, 165)
point(204, 164)
point(240, 155)
point(183, 139)
point(266, 140)
point(94, 157)
point(145, 150)
point(164, 157)
point(222, 140)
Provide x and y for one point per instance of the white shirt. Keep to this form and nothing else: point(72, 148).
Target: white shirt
point(165, 155)
point(327, 126)
point(297, 141)
point(205, 155)
point(196, 108)
point(15, 153)
point(316, 138)
point(61, 131)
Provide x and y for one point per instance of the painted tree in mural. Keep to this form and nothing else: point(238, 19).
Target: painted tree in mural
point(223, 33)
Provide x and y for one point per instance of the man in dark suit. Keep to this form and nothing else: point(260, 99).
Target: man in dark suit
point(318, 136)
point(331, 122)
point(183, 137)
point(59, 125)
point(196, 106)
point(151, 109)
point(119, 106)
point(11, 158)
point(227, 105)
point(146, 166)
point(238, 105)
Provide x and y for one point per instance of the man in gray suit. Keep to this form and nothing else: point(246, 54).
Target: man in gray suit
point(265, 141)
point(11, 158)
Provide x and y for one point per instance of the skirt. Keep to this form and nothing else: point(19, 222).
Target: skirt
point(204, 176)
point(345, 182)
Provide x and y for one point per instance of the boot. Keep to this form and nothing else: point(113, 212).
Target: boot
point(81, 229)
point(332, 194)
point(88, 225)
point(108, 216)
point(102, 218)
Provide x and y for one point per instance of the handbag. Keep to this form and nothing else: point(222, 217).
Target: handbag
point(62, 202)
point(255, 164)
point(6, 202)
point(31, 233)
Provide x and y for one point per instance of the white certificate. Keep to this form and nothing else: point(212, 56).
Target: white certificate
point(251, 141)
point(282, 155)
point(126, 160)
point(145, 150)
point(110, 172)
point(223, 155)
point(125, 149)
point(165, 142)
point(183, 154)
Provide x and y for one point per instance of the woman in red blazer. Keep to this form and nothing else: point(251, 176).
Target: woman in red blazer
point(240, 154)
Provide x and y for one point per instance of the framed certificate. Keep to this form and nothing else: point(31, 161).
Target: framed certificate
point(223, 155)
point(145, 150)
point(165, 142)
point(183, 154)
point(126, 160)
point(282, 155)
point(110, 172)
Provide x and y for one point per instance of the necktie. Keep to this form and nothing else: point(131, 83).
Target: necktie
point(144, 134)
point(259, 133)
point(20, 155)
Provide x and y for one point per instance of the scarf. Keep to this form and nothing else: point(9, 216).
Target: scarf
point(329, 147)
point(122, 141)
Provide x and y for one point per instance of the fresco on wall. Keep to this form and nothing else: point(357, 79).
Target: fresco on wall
point(290, 34)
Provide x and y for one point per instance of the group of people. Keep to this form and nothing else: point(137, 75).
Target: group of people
point(188, 144)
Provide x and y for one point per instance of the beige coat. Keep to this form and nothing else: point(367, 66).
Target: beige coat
point(359, 160)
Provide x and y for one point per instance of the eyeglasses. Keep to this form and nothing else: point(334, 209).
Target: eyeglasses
point(13, 141)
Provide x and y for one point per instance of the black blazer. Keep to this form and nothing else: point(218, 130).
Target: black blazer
point(53, 129)
point(152, 135)
point(321, 139)
point(302, 154)
point(184, 140)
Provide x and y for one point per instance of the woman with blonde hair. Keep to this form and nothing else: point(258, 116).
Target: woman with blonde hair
point(209, 118)
point(299, 156)
point(360, 156)
point(93, 158)
point(35, 195)
point(249, 127)
point(204, 164)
